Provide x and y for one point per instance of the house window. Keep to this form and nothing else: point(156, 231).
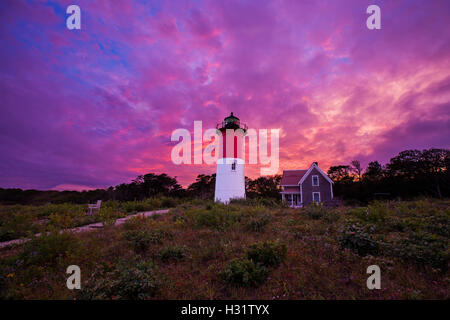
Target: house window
point(233, 166)
point(315, 181)
point(316, 196)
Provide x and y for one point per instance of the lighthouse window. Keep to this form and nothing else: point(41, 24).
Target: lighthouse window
point(233, 166)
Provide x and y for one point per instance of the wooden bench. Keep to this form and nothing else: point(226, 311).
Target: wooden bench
point(94, 206)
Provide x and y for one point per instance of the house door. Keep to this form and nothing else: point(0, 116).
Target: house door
point(296, 200)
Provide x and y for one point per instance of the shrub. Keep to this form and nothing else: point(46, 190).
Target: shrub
point(268, 253)
point(137, 222)
point(244, 272)
point(219, 217)
point(178, 219)
point(439, 223)
point(49, 249)
point(132, 281)
point(315, 210)
point(357, 239)
point(134, 206)
point(258, 202)
point(172, 253)
point(422, 250)
point(108, 216)
point(148, 204)
point(259, 222)
point(61, 220)
point(15, 225)
point(168, 203)
point(142, 239)
point(375, 213)
point(209, 252)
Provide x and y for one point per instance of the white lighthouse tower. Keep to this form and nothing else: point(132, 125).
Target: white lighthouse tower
point(230, 178)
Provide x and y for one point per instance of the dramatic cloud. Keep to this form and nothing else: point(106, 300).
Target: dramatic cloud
point(96, 107)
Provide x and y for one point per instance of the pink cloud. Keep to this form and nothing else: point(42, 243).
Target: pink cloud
point(96, 107)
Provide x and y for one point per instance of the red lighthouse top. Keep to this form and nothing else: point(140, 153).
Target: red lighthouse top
point(231, 122)
point(232, 148)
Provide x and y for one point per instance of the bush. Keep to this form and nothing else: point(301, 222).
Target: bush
point(168, 203)
point(439, 223)
point(131, 281)
point(315, 210)
point(244, 272)
point(220, 217)
point(172, 253)
point(209, 252)
point(134, 206)
point(61, 221)
point(14, 225)
point(258, 222)
point(375, 213)
point(142, 239)
point(258, 202)
point(137, 222)
point(108, 216)
point(357, 239)
point(49, 249)
point(422, 250)
point(178, 219)
point(269, 253)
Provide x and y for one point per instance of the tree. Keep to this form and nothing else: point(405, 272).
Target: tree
point(356, 168)
point(435, 165)
point(374, 171)
point(264, 187)
point(340, 173)
point(203, 187)
point(160, 184)
point(406, 164)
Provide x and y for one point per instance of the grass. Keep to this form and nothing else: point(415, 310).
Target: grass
point(202, 250)
point(18, 221)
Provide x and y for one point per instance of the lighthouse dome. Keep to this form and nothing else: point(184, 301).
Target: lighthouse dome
point(231, 117)
point(231, 122)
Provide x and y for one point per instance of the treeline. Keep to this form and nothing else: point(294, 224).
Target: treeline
point(144, 186)
point(412, 173)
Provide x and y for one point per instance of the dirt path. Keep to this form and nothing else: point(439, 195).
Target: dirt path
point(88, 227)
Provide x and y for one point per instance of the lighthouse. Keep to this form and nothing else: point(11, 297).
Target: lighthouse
point(230, 178)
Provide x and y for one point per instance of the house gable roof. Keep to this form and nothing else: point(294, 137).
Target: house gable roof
point(297, 177)
point(314, 165)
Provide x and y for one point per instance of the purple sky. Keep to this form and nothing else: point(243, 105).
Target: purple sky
point(96, 107)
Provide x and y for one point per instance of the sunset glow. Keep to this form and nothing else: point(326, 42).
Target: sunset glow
point(96, 107)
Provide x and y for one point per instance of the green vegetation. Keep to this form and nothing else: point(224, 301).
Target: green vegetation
point(135, 280)
point(358, 239)
point(18, 221)
point(172, 253)
point(244, 272)
point(142, 239)
point(245, 250)
point(267, 253)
